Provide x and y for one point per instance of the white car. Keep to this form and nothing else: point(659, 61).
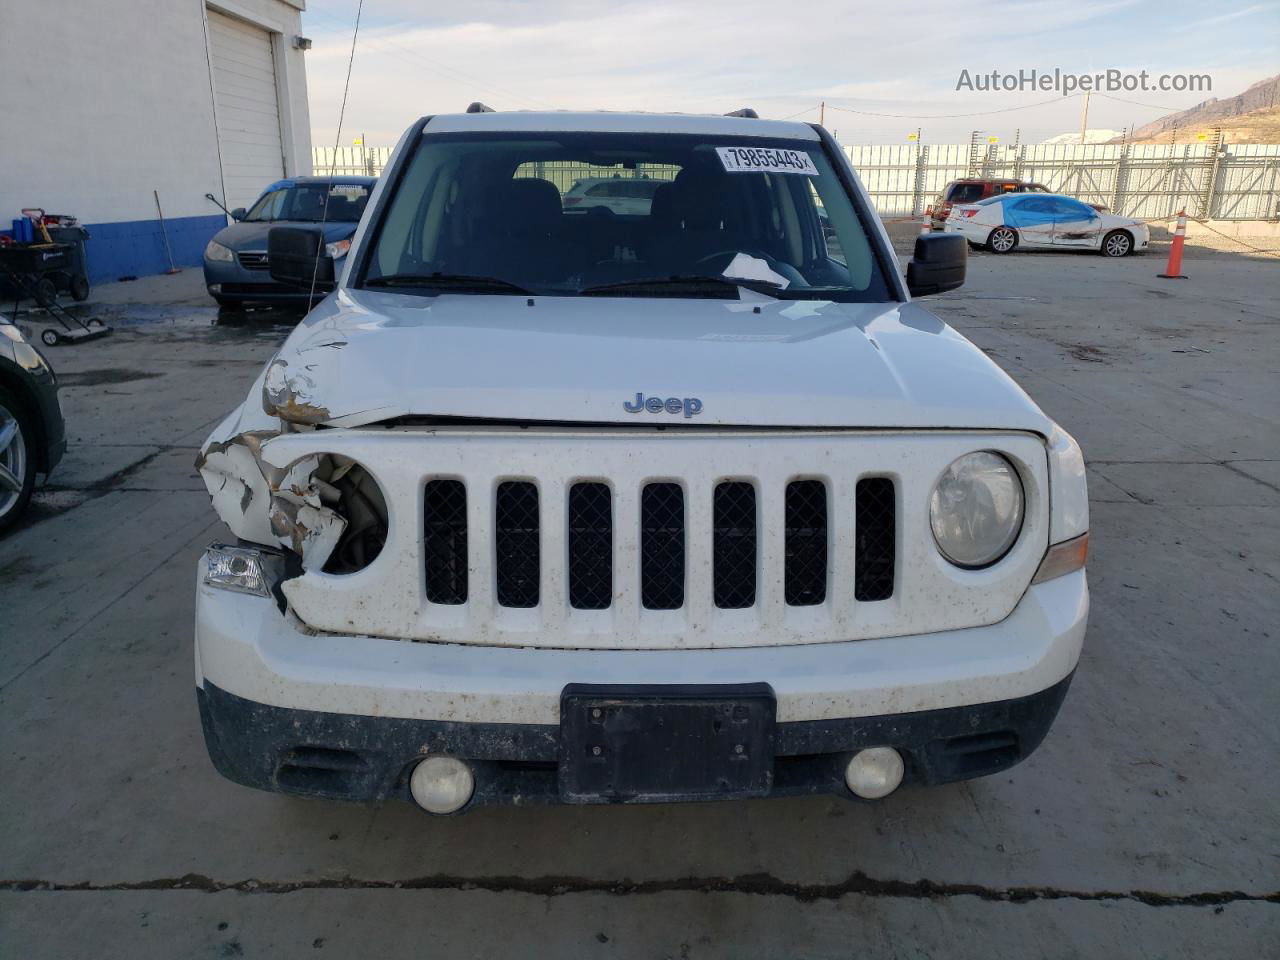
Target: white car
point(624, 196)
point(704, 511)
point(1039, 221)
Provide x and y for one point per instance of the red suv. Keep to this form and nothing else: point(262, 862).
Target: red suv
point(971, 191)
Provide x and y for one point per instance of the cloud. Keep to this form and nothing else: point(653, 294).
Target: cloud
point(706, 56)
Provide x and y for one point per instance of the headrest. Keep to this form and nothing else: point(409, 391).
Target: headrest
point(702, 200)
point(662, 208)
point(530, 203)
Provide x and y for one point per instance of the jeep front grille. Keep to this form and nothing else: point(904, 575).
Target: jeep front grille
point(613, 539)
point(589, 539)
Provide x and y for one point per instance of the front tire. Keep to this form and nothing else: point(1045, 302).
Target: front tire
point(1002, 240)
point(1117, 243)
point(17, 459)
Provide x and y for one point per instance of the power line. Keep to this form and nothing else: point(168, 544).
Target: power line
point(801, 113)
point(1137, 104)
point(324, 213)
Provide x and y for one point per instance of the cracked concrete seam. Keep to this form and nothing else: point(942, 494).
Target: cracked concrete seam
point(759, 884)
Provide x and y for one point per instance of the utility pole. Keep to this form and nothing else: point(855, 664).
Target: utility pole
point(822, 114)
point(1084, 118)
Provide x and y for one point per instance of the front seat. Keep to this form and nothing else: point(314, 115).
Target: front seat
point(705, 221)
point(528, 242)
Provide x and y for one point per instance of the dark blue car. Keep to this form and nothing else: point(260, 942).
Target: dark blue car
point(235, 260)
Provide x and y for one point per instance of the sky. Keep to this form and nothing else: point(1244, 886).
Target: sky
point(418, 57)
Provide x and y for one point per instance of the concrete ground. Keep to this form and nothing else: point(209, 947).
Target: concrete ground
point(1146, 826)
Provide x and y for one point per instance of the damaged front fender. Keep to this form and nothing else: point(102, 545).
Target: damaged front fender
point(291, 506)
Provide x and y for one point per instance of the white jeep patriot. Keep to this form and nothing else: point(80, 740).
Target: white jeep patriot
point(687, 503)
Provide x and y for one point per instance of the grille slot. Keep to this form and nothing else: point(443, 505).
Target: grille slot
point(253, 259)
point(805, 580)
point(590, 546)
point(516, 544)
point(875, 522)
point(445, 503)
point(662, 546)
point(734, 545)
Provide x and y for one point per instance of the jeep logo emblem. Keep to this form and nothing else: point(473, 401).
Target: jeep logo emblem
point(689, 406)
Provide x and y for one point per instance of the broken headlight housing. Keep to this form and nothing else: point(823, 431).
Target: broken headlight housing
point(360, 502)
point(249, 570)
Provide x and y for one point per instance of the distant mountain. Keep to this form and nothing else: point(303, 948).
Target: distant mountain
point(1249, 117)
point(1092, 135)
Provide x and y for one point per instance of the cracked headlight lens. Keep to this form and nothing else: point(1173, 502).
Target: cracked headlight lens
point(218, 253)
point(976, 509)
point(243, 569)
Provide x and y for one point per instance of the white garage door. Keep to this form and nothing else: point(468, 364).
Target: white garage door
point(244, 83)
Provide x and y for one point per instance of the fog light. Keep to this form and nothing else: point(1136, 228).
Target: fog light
point(875, 772)
point(442, 784)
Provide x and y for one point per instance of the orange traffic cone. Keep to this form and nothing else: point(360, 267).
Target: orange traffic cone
point(1173, 269)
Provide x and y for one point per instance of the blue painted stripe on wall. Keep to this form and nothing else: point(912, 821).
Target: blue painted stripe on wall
point(135, 248)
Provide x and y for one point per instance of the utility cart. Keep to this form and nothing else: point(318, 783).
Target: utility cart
point(33, 270)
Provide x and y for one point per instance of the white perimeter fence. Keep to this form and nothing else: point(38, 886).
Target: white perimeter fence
point(1151, 181)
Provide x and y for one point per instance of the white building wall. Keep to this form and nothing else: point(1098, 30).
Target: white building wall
point(103, 102)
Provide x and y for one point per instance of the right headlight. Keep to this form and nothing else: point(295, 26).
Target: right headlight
point(216, 251)
point(976, 509)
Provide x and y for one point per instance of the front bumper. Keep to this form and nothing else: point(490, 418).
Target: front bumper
point(369, 759)
point(346, 717)
point(228, 281)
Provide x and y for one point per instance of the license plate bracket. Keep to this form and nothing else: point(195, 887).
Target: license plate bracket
point(669, 742)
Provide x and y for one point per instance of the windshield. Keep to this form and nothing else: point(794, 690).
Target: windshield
point(305, 203)
point(619, 214)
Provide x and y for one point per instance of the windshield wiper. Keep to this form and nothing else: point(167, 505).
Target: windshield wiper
point(686, 282)
point(447, 281)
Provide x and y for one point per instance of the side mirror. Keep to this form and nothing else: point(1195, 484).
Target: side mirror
point(238, 213)
point(938, 264)
point(295, 255)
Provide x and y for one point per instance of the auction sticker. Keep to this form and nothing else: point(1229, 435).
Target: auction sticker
point(766, 160)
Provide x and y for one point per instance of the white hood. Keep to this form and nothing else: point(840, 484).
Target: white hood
point(365, 356)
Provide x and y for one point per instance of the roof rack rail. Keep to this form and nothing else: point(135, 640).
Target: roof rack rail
point(744, 112)
point(478, 107)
